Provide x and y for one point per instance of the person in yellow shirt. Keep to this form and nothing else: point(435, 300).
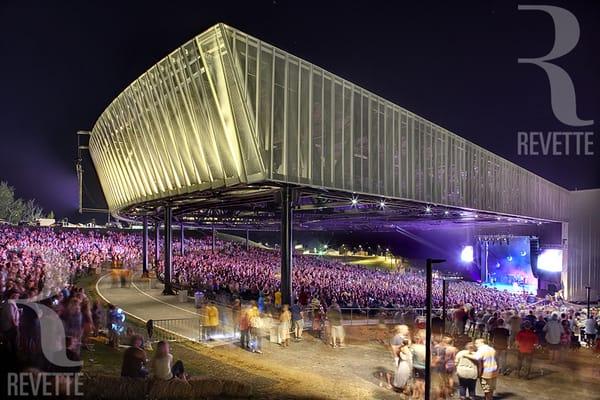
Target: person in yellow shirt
point(277, 296)
point(253, 310)
point(213, 319)
point(210, 320)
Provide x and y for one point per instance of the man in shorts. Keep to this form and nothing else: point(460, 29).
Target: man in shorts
point(489, 367)
point(297, 320)
point(591, 330)
point(334, 316)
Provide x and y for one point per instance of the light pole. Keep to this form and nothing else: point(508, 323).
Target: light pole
point(444, 290)
point(428, 296)
point(445, 281)
point(588, 288)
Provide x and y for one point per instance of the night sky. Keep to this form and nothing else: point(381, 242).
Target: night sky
point(63, 62)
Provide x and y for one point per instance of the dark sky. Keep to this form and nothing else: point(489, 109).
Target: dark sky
point(454, 64)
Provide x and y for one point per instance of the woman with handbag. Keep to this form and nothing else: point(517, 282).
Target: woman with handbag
point(467, 369)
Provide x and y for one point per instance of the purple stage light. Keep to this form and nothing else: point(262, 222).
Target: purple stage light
point(550, 260)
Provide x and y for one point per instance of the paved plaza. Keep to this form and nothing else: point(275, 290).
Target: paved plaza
point(353, 370)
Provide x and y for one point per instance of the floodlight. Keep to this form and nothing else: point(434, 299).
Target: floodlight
point(550, 260)
point(466, 255)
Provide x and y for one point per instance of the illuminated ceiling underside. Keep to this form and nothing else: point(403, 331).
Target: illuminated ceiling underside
point(225, 119)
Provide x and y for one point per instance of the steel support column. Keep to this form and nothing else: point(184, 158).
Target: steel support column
point(182, 238)
point(444, 312)
point(214, 238)
point(428, 306)
point(168, 249)
point(588, 288)
point(286, 245)
point(145, 247)
point(156, 243)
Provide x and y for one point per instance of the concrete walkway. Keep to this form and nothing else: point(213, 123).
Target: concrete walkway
point(358, 365)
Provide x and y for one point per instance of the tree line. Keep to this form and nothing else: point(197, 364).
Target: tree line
point(15, 210)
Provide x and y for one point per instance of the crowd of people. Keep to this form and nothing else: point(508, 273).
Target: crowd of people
point(39, 265)
point(468, 353)
point(250, 272)
point(37, 268)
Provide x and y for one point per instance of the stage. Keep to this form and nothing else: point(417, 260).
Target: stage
point(529, 289)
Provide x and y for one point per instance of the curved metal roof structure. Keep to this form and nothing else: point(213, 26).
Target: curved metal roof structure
point(226, 111)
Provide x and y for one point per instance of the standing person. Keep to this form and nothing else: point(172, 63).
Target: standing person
point(284, 326)
point(467, 370)
point(491, 324)
point(112, 325)
point(334, 316)
point(88, 324)
point(591, 330)
point(538, 328)
point(553, 330)
point(401, 333)
point(297, 321)
point(317, 322)
point(73, 320)
point(212, 313)
point(565, 339)
point(277, 299)
point(449, 363)
point(459, 318)
point(245, 329)
point(419, 356)
point(515, 326)
point(499, 340)
point(9, 321)
point(489, 367)
point(204, 322)
point(402, 359)
point(236, 309)
point(257, 325)
point(96, 316)
point(526, 340)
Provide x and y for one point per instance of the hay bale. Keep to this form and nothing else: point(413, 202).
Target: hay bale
point(236, 389)
point(206, 387)
point(114, 387)
point(173, 389)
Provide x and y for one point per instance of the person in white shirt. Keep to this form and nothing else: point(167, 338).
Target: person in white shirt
point(553, 330)
point(160, 365)
point(591, 330)
point(467, 370)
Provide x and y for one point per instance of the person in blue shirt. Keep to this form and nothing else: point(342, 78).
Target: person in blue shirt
point(297, 320)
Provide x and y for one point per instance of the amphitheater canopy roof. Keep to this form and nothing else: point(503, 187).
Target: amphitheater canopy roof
point(227, 113)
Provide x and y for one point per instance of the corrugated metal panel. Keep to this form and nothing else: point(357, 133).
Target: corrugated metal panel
point(181, 127)
point(226, 108)
point(583, 255)
point(318, 129)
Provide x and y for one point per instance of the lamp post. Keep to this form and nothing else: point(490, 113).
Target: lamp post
point(588, 288)
point(445, 281)
point(444, 290)
point(428, 296)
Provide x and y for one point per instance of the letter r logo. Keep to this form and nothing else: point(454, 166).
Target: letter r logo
point(562, 90)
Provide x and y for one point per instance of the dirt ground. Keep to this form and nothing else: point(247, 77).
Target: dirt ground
point(310, 369)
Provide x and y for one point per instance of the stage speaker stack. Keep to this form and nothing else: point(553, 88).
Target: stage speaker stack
point(534, 251)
